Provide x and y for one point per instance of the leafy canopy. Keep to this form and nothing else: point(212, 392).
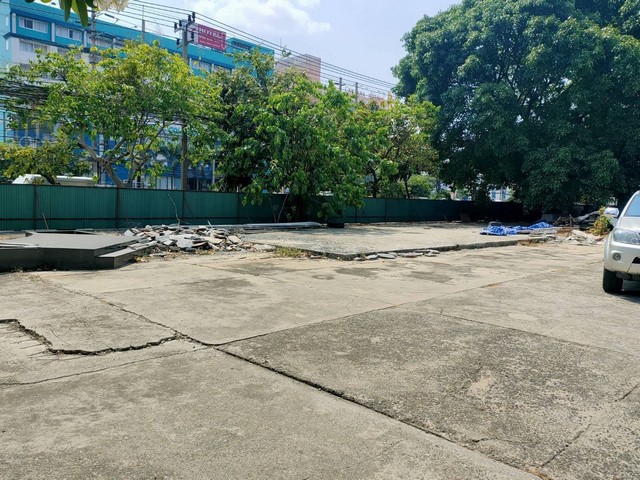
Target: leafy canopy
point(118, 111)
point(539, 95)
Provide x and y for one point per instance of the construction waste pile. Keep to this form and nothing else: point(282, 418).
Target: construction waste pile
point(584, 221)
point(182, 238)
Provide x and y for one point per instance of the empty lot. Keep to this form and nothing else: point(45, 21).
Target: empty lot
point(492, 363)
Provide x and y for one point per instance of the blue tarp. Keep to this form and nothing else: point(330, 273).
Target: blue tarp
point(500, 230)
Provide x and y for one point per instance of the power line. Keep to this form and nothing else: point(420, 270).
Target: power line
point(351, 84)
point(171, 11)
point(165, 17)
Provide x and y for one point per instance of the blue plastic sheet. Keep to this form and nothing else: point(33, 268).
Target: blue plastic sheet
point(502, 231)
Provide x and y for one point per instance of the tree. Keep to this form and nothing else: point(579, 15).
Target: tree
point(118, 111)
point(48, 160)
point(399, 142)
point(283, 133)
point(541, 96)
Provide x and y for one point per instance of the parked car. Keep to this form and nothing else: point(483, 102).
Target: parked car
point(622, 247)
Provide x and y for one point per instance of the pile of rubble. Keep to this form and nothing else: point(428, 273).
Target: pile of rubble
point(579, 237)
point(180, 238)
point(584, 221)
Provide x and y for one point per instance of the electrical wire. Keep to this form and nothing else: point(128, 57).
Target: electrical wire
point(254, 38)
point(163, 16)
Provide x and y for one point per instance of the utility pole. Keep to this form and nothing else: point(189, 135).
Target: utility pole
point(356, 92)
point(340, 84)
point(94, 54)
point(183, 27)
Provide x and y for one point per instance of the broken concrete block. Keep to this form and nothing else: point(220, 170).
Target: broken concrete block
point(264, 248)
point(184, 242)
point(371, 257)
point(387, 256)
point(234, 239)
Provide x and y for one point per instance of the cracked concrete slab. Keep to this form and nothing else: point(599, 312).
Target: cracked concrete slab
point(219, 311)
point(73, 322)
point(364, 239)
point(590, 456)
point(568, 305)
point(209, 415)
point(24, 360)
point(514, 396)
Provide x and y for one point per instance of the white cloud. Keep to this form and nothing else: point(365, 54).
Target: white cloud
point(272, 17)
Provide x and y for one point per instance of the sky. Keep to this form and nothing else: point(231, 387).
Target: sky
point(359, 35)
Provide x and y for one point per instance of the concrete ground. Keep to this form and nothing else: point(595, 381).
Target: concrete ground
point(499, 363)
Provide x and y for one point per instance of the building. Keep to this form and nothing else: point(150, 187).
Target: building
point(308, 64)
point(28, 27)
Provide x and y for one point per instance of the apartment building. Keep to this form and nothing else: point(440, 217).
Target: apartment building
point(29, 27)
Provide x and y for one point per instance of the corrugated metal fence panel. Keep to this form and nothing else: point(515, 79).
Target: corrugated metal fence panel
point(373, 211)
point(44, 206)
point(267, 212)
point(16, 207)
point(211, 207)
point(63, 208)
point(138, 208)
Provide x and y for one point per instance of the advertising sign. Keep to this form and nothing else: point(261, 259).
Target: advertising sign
point(210, 37)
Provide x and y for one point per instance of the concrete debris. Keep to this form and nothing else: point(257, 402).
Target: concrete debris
point(582, 238)
point(189, 239)
point(371, 257)
point(388, 256)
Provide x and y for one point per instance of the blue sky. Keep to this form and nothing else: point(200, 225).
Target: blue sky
point(364, 36)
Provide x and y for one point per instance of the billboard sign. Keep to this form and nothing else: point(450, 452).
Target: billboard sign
point(210, 37)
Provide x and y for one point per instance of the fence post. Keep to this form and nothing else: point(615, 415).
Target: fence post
point(35, 207)
point(184, 201)
point(117, 207)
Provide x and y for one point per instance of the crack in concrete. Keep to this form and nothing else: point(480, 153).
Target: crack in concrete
point(629, 393)
point(354, 400)
point(564, 448)
point(97, 370)
point(31, 333)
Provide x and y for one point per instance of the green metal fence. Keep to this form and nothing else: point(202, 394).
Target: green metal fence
point(24, 207)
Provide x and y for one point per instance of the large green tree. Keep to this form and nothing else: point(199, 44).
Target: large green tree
point(118, 111)
point(398, 142)
point(543, 96)
point(282, 133)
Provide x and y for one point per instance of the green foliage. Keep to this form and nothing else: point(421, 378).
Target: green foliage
point(49, 160)
point(541, 96)
point(282, 133)
point(421, 186)
point(602, 225)
point(393, 189)
point(399, 143)
point(118, 111)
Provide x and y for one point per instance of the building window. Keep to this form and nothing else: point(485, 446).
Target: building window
point(68, 33)
point(31, 47)
point(200, 65)
point(62, 51)
point(102, 42)
point(36, 25)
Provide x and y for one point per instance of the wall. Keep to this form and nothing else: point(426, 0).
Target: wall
point(25, 207)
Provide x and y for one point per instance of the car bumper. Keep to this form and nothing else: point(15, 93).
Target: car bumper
point(622, 258)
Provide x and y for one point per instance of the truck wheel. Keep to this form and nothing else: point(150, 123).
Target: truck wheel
point(610, 282)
